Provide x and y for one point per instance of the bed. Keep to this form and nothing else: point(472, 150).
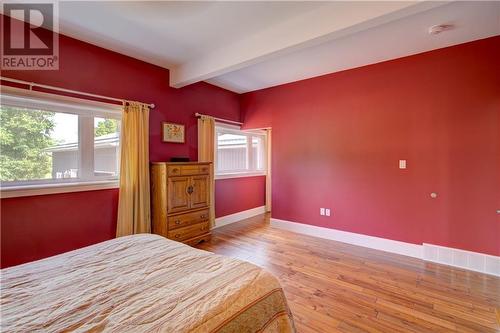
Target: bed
point(142, 283)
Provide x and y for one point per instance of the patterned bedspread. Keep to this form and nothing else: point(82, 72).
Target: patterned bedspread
point(141, 283)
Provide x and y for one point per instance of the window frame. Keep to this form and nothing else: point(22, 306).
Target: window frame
point(232, 129)
point(86, 110)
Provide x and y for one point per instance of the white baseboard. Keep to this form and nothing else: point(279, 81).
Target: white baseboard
point(474, 261)
point(388, 245)
point(236, 217)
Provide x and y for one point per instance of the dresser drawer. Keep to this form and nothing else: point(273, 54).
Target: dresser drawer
point(174, 170)
point(191, 231)
point(179, 221)
point(188, 170)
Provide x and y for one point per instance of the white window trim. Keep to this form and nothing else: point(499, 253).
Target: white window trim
point(29, 98)
point(238, 131)
point(239, 175)
point(42, 189)
point(86, 109)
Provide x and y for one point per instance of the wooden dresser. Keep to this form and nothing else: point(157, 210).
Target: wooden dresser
point(180, 201)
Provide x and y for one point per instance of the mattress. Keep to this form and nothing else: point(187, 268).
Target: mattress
point(142, 283)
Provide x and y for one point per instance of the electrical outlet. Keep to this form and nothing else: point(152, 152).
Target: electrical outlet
point(327, 212)
point(321, 211)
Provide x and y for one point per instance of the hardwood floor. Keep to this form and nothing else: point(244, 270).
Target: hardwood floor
point(336, 287)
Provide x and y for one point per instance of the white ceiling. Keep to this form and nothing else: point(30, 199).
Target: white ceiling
point(170, 33)
point(249, 45)
point(393, 40)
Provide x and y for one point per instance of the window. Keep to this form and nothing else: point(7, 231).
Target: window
point(239, 153)
point(47, 141)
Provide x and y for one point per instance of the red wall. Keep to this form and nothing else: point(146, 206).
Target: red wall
point(337, 140)
point(239, 194)
point(45, 225)
point(40, 226)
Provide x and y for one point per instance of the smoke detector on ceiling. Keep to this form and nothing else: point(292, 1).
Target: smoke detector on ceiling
point(439, 28)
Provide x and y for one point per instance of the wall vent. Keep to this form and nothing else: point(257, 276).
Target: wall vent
point(474, 261)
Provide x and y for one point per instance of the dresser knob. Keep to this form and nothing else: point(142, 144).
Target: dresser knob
point(175, 170)
point(203, 216)
point(177, 235)
point(177, 221)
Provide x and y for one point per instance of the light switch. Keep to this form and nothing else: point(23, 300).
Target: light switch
point(327, 212)
point(321, 211)
point(402, 164)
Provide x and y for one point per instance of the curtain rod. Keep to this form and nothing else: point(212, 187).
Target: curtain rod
point(33, 84)
point(219, 119)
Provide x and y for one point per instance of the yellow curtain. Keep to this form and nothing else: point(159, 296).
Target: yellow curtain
point(206, 153)
point(133, 202)
point(268, 176)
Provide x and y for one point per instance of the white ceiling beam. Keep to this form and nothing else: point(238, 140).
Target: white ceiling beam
point(325, 23)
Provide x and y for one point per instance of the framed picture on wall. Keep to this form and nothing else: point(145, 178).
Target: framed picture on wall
point(172, 132)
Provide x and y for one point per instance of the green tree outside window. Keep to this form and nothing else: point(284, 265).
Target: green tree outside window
point(24, 137)
point(106, 126)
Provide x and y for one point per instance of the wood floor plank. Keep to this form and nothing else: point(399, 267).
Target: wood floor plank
point(338, 287)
